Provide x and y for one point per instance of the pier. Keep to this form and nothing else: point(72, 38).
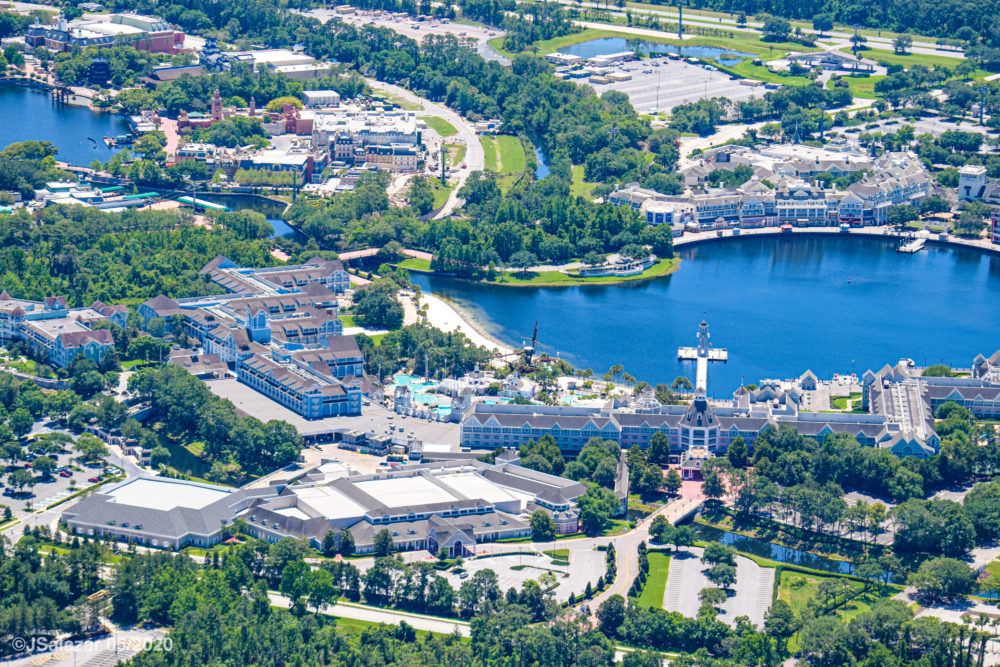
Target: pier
point(702, 354)
point(914, 246)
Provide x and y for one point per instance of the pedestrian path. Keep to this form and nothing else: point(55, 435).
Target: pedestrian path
point(55, 497)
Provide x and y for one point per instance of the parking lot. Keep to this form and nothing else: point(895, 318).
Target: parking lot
point(375, 418)
point(662, 84)
point(47, 491)
point(935, 125)
point(417, 30)
point(585, 566)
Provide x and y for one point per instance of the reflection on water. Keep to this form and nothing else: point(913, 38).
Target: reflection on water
point(780, 305)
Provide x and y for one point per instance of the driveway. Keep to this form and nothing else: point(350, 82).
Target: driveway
point(475, 158)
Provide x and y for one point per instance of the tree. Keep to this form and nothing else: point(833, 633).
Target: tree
point(44, 465)
point(899, 215)
point(681, 382)
point(937, 370)
point(319, 588)
point(21, 478)
point(347, 543)
point(660, 529)
point(943, 579)
point(672, 482)
point(91, 448)
point(780, 621)
point(722, 575)
point(659, 448)
point(716, 553)
point(523, 259)
point(775, 29)
point(611, 615)
point(822, 23)
point(543, 529)
point(683, 536)
point(329, 546)
point(713, 596)
point(383, 543)
point(21, 422)
point(982, 506)
point(737, 452)
point(712, 487)
point(902, 44)
point(597, 506)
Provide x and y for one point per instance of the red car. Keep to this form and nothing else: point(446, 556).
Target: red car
point(65, 474)
point(94, 480)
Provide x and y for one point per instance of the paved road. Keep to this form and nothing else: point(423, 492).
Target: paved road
point(375, 615)
point(475, 157)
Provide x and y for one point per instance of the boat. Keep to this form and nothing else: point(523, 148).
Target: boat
point(913, 246)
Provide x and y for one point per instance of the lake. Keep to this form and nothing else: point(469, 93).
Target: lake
point(605, 45)
point(28, 113)
point(832, 304)
point(272, 210)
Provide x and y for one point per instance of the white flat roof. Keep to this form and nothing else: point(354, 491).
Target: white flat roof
point(478, 487)
point(405, 491)
point(329, 502)
point(293, 512)
point(163, 494)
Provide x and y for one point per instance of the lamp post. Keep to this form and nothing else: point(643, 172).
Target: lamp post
point(680, 19)
point(982, 103)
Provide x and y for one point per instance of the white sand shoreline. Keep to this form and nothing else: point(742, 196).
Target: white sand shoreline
point(449, 317)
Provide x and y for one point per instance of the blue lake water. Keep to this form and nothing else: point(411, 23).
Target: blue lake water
point(605, 45)
point(542, 170)
point(28, 113)
point(779, 305)
point(271, 210)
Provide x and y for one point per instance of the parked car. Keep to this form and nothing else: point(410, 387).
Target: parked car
point(65, 473)
point(94, 480)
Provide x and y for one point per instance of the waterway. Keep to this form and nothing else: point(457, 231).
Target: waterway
point(605, 45)
point(777, 552)
point(779, 305)
point(272, 210)
point(30, 113)
point(542, 169)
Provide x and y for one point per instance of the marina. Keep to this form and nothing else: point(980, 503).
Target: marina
point(914, 246)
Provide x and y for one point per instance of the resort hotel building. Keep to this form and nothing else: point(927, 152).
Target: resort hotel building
point(278, 329)
point(451, 505)
point(56, 333)
point(797, 198)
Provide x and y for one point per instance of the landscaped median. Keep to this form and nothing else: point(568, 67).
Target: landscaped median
point(87, 489)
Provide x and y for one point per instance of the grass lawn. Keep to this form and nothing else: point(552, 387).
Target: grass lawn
point(456, 154)
point(747, 70)
point(511, 154)
point(840, 402)
point(490, 152)
point(441, 126)
point(561, 554)
point(656, 582)
point(441, 193)
point(348, 320)
point(555, 278)
point(993, 567)
point(908, 59)
point(413, 263)
point(398, 101)
point(861, 86)
point(580, 187)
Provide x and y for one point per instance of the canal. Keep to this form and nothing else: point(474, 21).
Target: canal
point(31, 114)
point(773, 551)
point(779, 305)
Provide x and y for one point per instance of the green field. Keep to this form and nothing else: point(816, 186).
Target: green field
point(656, 581)
point(580, 187)
point(456, 154)
point(841, 402)
point(907, 60)
point(416, 264)
point(441, 193)
point(441, 126)
point(348, 320)
point(489, 152)
point(747, 70)
point(511, 154)
point(557, 279)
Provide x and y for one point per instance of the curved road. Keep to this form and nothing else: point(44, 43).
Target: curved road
point(475, 157)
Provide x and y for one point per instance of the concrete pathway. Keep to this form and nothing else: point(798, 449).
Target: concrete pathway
point(376, 615)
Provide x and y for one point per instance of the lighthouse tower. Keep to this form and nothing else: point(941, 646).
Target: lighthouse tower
point(703, 337)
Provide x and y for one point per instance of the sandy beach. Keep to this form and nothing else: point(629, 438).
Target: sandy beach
point(448, 317)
